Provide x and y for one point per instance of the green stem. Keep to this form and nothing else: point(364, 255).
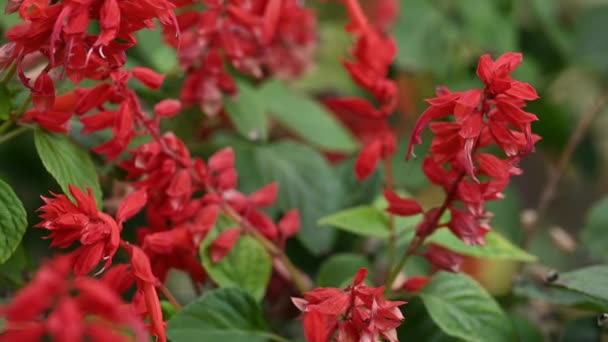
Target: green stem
point(12, 134)
point(10, 72)
point(5, 125)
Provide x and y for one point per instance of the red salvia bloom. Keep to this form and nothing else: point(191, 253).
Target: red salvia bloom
point(357, 313)
point(68, 304)
point(97, 232)
point(482, 117)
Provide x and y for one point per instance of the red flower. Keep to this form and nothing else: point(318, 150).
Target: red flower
point(357, 313)
point(67, 305)
point(97, 232)
point(223, 244)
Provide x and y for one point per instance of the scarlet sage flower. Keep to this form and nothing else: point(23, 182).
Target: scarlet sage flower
point(482, 117)
point(356, 313)
point(97, 233)
point(55, 305)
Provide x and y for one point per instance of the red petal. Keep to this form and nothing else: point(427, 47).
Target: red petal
point(467, 102)
point(131, 205)
point(471, 127)
point(223, 244)
point(316, 327)
point(97, 121)
point(168, 108)
point(266, 196)
point(290, 223)
point(485, 68)
point(360, 276)
point(271, 19)
point(368, 159)
point(43, 93)
point(401, 206)
point(415, 283)
point(222, 160)
point(148, 77)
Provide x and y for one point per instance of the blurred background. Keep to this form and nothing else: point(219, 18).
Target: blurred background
point(565, 48)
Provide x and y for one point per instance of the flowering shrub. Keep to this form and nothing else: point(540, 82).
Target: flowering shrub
point(197, 202)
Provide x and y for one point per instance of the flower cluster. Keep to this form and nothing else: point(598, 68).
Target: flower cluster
point(68, 309)
point(481, 118)
point(256, 38)
point(373, 54)
point(356, 313)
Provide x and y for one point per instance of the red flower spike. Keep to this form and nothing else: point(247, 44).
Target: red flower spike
point(316, 327)
point(43, 94)
point(401, 206)
point(271, 18)
point(109, 22)
point(222, 244)
point(360, 276)
point(148, 77)
point(167, 108)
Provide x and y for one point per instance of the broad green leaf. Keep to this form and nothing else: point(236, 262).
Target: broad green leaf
point(559, 296)
point(594, 235)
point(228, 314)
point(247, 266)
point(370, 220)
point(496, 247)
point(306, 118)
point(419, 326)
point(592, 281)
point(357, 192)
point(590, 47)
point(581, 329)
point(361, 220)
point(67, 162)
point(339, 269)
point(464, 310)
point(13, 221)
point(247, 113)
point(12, 269)
point(5, 102)
point(306, 182)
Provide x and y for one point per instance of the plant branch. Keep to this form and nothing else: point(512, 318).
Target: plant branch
point(550, 189)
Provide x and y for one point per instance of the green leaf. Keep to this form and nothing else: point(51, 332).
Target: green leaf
point(526, 330)
point(559, 296)
point(361, 220)
point(357, 192)
point(463, 309)
point(152, 50)
point(13, 221)
point(581, 329)
point(67, 162)
point(13, 268)
point(306, 182)
point(5, 102)
point(496, 247)
point(228, 314)
point(590, 47)
point(247, 113)
point(339, 269)
point(247, 266)
point(594, 235)
point(591, 281)
point(306, 118)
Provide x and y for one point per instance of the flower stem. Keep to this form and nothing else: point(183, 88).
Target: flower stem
point(418, 240)
point(165, 291)
point(10, 72)
point(392, 240)
point(12, 134)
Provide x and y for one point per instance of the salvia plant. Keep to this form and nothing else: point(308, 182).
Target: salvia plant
point(201, 190)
